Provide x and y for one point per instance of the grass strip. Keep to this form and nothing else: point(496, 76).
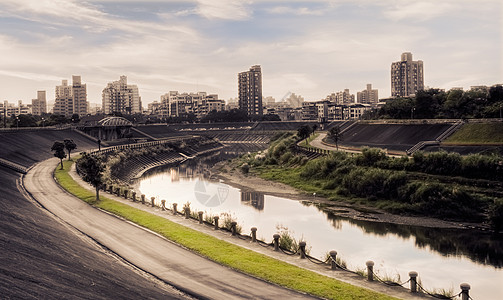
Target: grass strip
point(477, 133)
point(225, 253)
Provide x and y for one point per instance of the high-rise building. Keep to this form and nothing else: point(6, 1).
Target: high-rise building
point(39, 105)
point(250, 91)
point(80, 103)
point(406, 76)
point(368, 96)
point(121, 97)
point(71, 99)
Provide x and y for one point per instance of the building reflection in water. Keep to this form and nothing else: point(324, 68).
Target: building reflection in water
point(253, 199)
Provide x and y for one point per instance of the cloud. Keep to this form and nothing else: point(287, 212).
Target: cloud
point(224, 9)
point(300, 11)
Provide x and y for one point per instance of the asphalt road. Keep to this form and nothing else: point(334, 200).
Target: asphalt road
point(165, 260)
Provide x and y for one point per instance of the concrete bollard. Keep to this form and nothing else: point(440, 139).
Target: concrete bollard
point(276, 241)
point(333, 257)
point(370, 270)
point(465, 291)
point(233, 227)
point(187, 212)
point(200, 214)
point(302, 246)
point(215, 218)
point(142, 199)
point(254, 234)
point(413, 281)
point(163, 205)
point(133, 196)
point(152, 201)
point(174, 208)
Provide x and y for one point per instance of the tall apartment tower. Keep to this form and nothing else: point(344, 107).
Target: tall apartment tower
point(71, 99)
point(368, 96)
point(406, 76)
point(121, 97)
point(39, 105)
point(250, 91)
point(79, 96)
point(63, 104)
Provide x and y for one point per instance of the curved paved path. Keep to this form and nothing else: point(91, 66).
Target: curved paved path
point(169, 262)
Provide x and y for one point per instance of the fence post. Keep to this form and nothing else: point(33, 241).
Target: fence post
point(174, 208)
point(233, 227)
point(333, 261)
point(370, 270)
point(152, 201)
point(187, 212)
point(142, 199)
point(163, 205)
point(276, 241)
point(465, 288)
point(254, 234)
point(133, 196)
point(302, 246)
point(215, 218)
point(200, 213)
point(413, 281)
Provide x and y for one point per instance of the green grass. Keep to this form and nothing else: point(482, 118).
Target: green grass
point(307, 142)
point(478, 133)
point(225, 253)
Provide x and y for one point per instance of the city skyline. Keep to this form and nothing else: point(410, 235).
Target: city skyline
point(310, 48)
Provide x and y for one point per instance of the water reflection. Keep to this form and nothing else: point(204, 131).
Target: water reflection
point(443, 257)
point(254, 199)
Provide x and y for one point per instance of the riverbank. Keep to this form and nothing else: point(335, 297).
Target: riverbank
point(252, 182)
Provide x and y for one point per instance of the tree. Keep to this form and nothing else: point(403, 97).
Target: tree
point(335, 134)
point(304, 131)
point(70, 146)
point(91, 167)
point(59, 151)
point(315, 127)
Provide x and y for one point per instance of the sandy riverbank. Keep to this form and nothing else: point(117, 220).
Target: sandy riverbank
point(253, 183)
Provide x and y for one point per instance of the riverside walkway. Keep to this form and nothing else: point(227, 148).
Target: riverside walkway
point(183, 269)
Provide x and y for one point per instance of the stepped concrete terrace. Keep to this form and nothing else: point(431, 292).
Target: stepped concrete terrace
point(392, 136)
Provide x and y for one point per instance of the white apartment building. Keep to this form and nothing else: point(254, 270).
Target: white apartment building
point(121, 97)
point(174, 104)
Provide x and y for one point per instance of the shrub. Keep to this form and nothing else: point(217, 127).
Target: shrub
point(245, 168)
point(285, 158)
point(496, 216)
point(370, 156)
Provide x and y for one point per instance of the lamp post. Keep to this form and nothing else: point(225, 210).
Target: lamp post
point(17, 122)
point(412, 112)
point(43, 122)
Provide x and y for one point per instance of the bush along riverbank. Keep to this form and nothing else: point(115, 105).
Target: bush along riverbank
point(441, 185)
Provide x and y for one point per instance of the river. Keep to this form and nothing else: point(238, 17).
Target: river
point(444, 258)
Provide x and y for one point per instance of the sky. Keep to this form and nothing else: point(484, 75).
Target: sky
point(310, 48)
